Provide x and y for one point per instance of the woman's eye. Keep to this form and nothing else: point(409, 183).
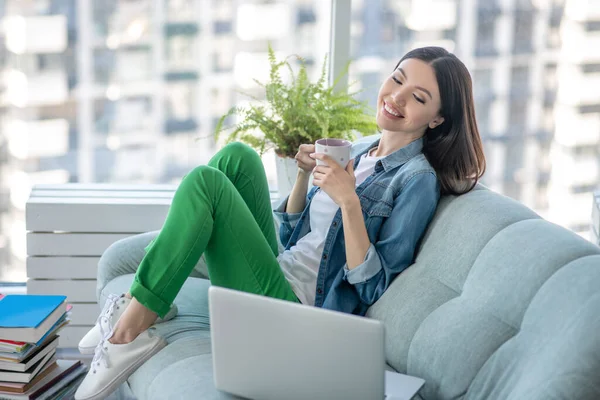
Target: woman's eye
point(396, 80)
point(418, 99)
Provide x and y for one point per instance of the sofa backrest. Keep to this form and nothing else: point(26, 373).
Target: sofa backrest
point(499, 304)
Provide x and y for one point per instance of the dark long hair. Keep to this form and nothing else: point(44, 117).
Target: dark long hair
point(454, 147)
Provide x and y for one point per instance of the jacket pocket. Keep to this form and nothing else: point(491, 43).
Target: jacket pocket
point(375, 208)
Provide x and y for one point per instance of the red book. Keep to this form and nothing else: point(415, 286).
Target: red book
point(12, 342)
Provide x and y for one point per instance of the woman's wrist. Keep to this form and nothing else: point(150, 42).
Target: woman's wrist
point(302, 174)
point(350, 202)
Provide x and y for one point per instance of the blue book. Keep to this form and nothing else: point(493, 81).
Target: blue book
point(27, 318)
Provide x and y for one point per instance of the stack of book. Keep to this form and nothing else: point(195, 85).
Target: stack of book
point(29, 366)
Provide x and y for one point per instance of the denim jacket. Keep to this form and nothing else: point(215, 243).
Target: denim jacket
point(398, 201)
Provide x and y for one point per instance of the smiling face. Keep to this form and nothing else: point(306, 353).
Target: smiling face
point(409, 99)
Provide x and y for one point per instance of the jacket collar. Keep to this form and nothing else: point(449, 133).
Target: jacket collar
point(400, 156)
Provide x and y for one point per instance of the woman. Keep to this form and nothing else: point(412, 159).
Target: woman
point(347, 239)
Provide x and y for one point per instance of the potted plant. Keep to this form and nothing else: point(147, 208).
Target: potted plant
point(296, 112)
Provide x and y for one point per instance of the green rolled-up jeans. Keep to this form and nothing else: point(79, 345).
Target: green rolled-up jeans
point(222, 210)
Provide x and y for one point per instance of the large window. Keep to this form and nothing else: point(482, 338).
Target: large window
point(138, 88)
point(129, 91)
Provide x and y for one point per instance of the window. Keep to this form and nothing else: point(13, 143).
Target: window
point(520, 81)
point(180, 51)
point(180, 108)
point(589, 109)
point(523, 36)
point(223, 27)
point(486, 30)
point(590, 68)
point(592, 26)
point(155, 80)
point(123, 66)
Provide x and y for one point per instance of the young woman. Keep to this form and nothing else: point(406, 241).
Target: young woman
point(346, 240)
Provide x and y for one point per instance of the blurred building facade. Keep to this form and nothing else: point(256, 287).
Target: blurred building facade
point(130, 90)
point(535, 69)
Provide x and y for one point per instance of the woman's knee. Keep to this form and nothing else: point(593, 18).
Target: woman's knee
point(239, 150)
point(234, 156)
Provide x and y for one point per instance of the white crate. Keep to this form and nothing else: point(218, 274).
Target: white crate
point(71, 335)
point(70, 226)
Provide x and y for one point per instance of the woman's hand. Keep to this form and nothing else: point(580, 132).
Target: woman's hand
point(305, 162)
point(337, 182)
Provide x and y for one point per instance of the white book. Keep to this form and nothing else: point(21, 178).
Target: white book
point(30, 361)
point(26, 377)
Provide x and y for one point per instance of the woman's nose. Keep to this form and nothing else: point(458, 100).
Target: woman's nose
point(399, 97)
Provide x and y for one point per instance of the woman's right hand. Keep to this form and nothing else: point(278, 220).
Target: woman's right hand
point(305, 162)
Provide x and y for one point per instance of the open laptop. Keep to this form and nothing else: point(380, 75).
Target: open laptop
point(265, 348)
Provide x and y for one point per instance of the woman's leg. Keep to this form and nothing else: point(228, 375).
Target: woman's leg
point(226, 217)
point(244, 168)
point(124, 257)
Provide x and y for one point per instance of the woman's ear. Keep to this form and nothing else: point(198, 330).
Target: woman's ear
point(436, 122)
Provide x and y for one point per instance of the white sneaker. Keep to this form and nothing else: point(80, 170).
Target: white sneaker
point(114, 363)
point(112, 311)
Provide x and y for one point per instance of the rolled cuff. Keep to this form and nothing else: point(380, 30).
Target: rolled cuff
point(365, 271)
point(149, 299)
point(289, 220)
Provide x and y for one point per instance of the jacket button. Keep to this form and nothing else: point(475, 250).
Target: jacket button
point(324, 256)
point(334, 223)
point(320, 291)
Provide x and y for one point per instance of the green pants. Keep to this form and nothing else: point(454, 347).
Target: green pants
point(222, 210)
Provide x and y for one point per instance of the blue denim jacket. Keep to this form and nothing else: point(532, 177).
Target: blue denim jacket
point(398, 201)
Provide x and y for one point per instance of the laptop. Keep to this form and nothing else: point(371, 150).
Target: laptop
point(270, 349)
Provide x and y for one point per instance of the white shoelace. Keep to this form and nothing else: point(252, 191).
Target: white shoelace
point(107, 311)
point(100, 353)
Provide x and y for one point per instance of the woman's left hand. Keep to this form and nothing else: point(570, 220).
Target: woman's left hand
point(337, 182)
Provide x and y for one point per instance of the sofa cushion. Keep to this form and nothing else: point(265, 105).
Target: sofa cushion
point(556, 353)
point(482, 261)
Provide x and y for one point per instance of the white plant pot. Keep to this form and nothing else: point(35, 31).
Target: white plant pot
point(287, 170)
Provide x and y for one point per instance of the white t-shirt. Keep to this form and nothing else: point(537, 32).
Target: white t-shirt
point(300, 264)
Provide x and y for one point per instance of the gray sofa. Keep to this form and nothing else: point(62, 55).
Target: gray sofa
point(499, 304)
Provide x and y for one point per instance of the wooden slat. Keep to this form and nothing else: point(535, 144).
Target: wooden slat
point(70, 244)
point(62, 267)
point(84, 313)
point(95, 215)
point(106, 187)
point(86, 194)
point(83, 291)
point(71, 335)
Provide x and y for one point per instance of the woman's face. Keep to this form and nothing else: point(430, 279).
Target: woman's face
point(409, 99)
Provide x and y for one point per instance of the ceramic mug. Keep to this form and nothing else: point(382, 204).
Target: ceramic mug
point(338, 149)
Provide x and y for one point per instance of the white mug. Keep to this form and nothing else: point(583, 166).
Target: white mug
point(338, 149)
